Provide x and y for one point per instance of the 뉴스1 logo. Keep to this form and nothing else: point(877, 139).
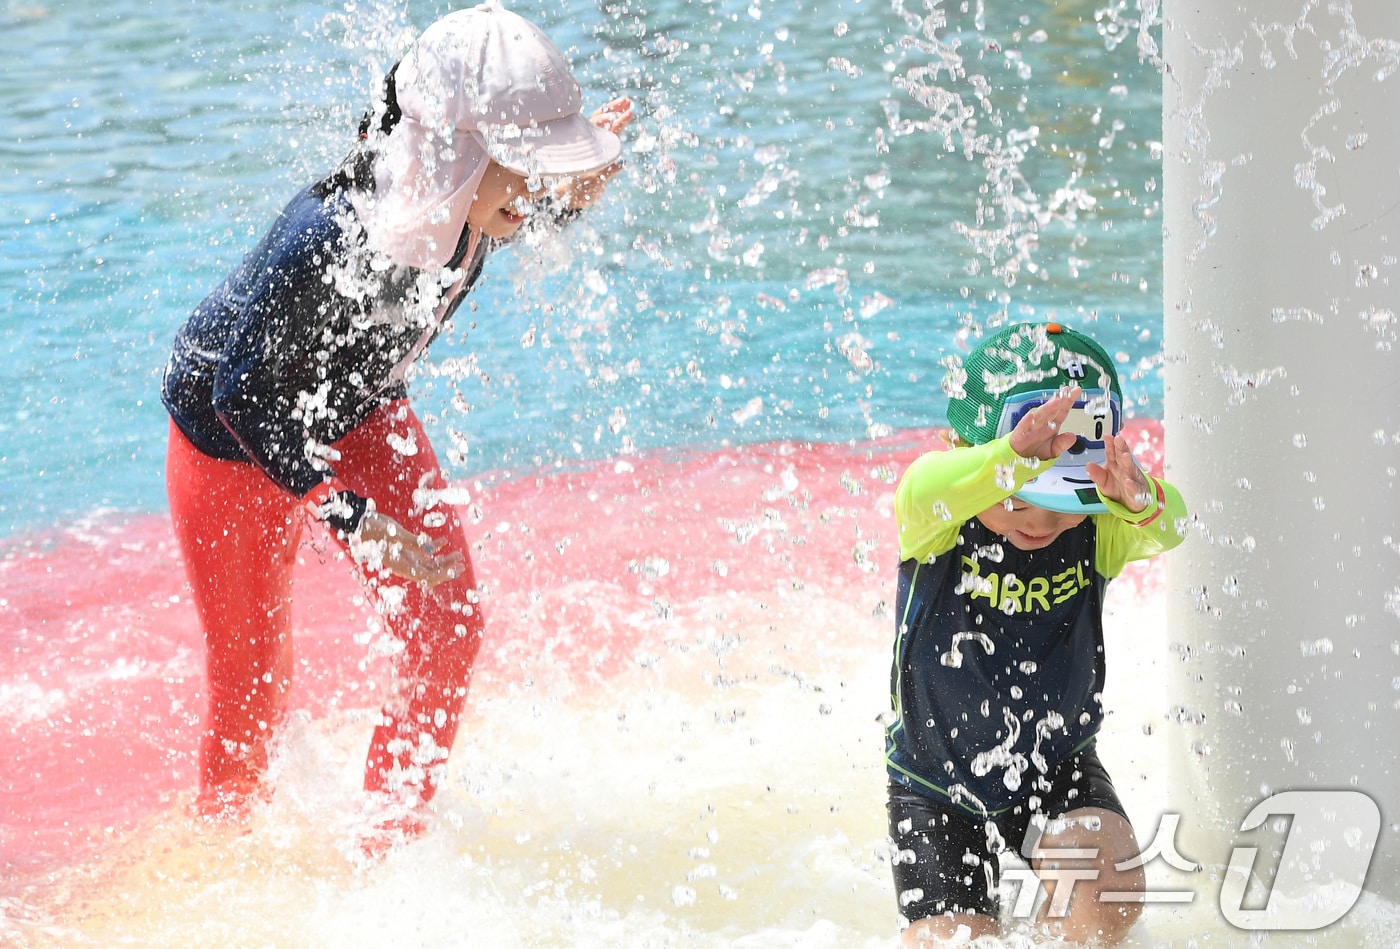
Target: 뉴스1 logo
point(1326, 854)
point(1318, 879)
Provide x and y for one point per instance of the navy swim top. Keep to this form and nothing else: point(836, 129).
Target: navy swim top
point(304, 340)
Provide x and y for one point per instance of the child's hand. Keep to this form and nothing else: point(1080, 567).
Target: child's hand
point(1038, 435)
point(381, 542)
point(1119, 478)
point(615, 116)
point(580, 191)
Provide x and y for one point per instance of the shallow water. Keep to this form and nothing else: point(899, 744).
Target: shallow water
point(673, 738)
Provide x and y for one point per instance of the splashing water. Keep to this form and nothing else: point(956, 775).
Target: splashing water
point(953, 657)
point(661, 430)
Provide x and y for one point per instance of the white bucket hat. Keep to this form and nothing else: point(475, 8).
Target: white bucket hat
point(477, 84)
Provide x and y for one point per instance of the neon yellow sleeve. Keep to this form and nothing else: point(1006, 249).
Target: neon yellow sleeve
point(941, 490)
point(1124, 536)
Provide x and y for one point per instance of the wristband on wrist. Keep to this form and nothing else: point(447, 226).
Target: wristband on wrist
point(1161, 503)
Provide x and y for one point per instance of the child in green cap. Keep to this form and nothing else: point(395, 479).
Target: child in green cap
point(1006, 545)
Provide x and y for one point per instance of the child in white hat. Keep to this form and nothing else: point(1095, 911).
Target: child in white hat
point(287, 395)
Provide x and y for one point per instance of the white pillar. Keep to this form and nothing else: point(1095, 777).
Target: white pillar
point(1281, 153)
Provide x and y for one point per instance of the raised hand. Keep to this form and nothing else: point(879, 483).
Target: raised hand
point(579, 191)
point(614, 116)
point(1038, 435)
point(1119, 478)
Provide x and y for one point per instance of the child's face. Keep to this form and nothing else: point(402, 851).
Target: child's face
point(502, 202)
point(1026, 526)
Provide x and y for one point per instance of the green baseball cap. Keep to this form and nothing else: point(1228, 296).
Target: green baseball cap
point(1020, 367)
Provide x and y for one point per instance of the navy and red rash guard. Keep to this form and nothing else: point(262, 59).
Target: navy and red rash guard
point(304, 340)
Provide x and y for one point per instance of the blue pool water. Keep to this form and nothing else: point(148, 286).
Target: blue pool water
point(794, 244)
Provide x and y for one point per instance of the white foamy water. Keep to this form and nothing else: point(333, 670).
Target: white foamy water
point(725, 789)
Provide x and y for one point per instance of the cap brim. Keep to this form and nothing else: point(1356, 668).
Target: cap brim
point(568, 146)
point(1066, 488)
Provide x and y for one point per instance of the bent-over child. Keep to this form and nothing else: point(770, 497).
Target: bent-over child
point(288, 394)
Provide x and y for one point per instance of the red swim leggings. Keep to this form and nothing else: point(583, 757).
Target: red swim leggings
point(238, 532)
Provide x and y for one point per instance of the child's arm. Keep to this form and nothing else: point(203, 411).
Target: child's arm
point(1144, 513)
point(941, 490)
point(562, 202)
point(1125, 536)
point(578, 192)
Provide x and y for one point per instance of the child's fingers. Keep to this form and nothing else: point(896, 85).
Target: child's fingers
point(426, 567)
point(1112, 455)
point(1123, 460)
point(1109, 484)
point(1053, 413)
point(614, 116)
point(1038, 435)
point(601, 176)
point(580, 190)
point(446, 567)
point(1057, 408)
point(1119, 478)
point(1061, 443)
point(1116, 450)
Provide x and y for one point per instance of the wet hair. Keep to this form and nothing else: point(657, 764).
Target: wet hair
point(357, 170)
point(391, 114)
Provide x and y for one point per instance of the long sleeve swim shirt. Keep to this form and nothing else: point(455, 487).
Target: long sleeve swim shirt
point(308, 336)
point(999, 665)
